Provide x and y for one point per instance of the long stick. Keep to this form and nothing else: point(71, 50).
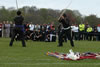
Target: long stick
point(65, 10)
point(17, 4)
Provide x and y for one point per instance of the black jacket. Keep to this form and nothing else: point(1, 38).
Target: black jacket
point(18, 20)
point(65, 22)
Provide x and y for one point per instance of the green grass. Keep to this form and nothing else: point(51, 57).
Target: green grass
point(34, 54)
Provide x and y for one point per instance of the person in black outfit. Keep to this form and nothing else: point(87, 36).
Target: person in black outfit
point(43, 34)
point(64, 20)
point(38, 35)
point(18, 29)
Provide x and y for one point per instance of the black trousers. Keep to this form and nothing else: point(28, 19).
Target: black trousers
point(21, 35)
point(68, 34)
point(81, 35)
point(0, 33)
point(89, 36)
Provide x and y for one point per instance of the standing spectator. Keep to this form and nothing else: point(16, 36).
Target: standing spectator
point(89, 31)
point(31, 27)
point(11, 28)
point(48, 27)
point(98, 30)
point(3, 29)
point(44, 26)
point(37, 27)
point(7, 26)
point(0, 29)
point(72, 28)
point(51, 25)
point(81, 31)
point(85, 32)
point(76, 32)
point(27, 28)
point(41, 27)
point(94, 33)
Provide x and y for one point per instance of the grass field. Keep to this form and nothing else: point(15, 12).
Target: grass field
point(34, 54)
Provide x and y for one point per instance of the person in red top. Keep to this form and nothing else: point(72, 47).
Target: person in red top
point(51, 25)
point(0, 29)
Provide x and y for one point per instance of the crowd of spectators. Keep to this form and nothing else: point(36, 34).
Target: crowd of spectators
point(35, 32)
point(48, 33)
point(86, 32)
point(40, 32)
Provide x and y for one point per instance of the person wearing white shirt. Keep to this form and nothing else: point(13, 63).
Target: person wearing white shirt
point(98, 29)
point(31, 26)
point(75, 31)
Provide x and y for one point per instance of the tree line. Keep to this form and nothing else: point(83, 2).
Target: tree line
point(46, 16)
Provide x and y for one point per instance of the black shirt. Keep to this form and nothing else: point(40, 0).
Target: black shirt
point(65, 22)
point(18, 20)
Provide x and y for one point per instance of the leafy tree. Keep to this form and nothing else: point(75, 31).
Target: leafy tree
point(46, 16)
point(92, 20)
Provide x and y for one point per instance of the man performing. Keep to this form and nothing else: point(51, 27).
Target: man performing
point(64, 20)
point(18, 29)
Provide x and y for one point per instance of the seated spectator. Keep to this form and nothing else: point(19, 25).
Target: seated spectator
point(32, 35)
point(47, 36)
point(43, 34)
point(53, 34)
point(38, 36)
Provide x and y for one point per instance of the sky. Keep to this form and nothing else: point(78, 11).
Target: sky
point(85, 7)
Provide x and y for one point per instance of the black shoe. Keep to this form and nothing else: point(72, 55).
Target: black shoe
point(24, 46)
point(59, 45)
point(73, 46)
point(10, 45)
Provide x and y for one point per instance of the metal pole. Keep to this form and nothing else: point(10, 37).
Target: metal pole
point(65, 9)
point(17, 4)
